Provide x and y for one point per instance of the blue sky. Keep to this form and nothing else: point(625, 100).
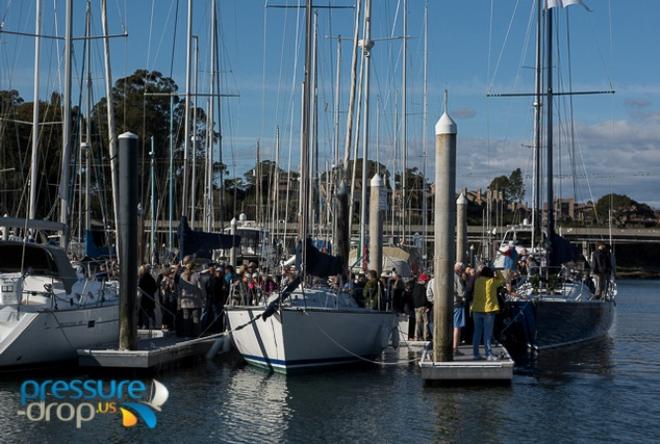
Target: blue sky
point(617, 137)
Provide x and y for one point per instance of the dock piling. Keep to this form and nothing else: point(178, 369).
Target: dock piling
point(128, 240)
point(375, 226)
point(445, 247)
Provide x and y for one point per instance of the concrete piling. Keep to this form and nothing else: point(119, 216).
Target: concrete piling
point(376, 225)
point(128, 240)
point(461, 228)
point(445, 247)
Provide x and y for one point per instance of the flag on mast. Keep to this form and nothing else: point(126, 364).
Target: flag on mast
point(565, 3)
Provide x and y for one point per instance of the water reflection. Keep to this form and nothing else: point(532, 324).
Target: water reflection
point(594, 357)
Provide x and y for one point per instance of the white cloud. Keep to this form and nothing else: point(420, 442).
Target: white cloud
point(621, 156)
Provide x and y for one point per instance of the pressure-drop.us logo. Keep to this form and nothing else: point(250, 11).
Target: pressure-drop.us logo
point(80, 401)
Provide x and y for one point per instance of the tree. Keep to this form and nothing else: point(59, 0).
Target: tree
point(624, 210)
point(516, 186)
point(513, 186)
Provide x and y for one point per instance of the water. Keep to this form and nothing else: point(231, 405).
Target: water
point(607, 391)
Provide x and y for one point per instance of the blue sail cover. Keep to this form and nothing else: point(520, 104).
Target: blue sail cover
point(96, 246)
point(562, 251)
point(201, 243)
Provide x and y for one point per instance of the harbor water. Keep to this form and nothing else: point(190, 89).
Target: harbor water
point(606, 391)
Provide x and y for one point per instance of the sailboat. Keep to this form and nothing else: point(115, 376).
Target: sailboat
point(557, 306)
point(310, 326)
point(48, 308)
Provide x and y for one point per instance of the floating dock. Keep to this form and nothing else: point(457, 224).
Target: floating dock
point(464, 369)
point(152, 352)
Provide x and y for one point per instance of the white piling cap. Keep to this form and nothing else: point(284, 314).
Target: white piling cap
point(127, 135)
point(376, 181)
point(461, 200)
point(233, 221)
point(445, 124)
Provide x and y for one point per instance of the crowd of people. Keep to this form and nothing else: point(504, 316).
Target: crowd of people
point(475, 294)
point(192, 297)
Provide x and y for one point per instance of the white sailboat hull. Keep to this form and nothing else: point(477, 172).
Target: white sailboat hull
point(35, 337)
point(297, 338)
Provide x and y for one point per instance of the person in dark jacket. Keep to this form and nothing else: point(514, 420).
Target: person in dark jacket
point(372, 291)
point(601, 266)
point(147, 288)
point(396, 291)
point(421, 306)
point(168, 298)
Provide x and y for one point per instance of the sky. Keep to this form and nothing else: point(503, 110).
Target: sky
point(474, 47)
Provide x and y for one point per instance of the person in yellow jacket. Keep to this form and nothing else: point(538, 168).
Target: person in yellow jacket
point(484, 308)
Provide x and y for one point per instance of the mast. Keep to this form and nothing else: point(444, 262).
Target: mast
point(404, 122)
point(550, 196)
point(152, 180)
point(209, 151)
point(112, 133)
point(35, 113)
point(335, 158)
point(216, 67)
point(88, 128)
point(257, 183)
point(425, 107)
point(367, 44)
point(65, 201)
point(195, 139)
point(314, 147)
point(170, 182)
point(304, 180)
point(186, 136)
point(537, 125)
point(351, 97)
point(276, 185)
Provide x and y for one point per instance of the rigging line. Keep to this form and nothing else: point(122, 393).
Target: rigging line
point(396, 16)
point(504, 44)
point(18, 48)
point(4, 16)
point(490, 41)
point(176, 21)
point(281, 69)
point(151, 25)
point(263, 69)
point(57, 44)
point(570, 101)
point(162, 34)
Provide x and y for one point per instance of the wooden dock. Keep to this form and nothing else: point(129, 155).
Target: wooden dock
point(153, 352)
point(464, 369)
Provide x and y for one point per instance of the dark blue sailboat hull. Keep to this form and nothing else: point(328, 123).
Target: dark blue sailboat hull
point(547, 323)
